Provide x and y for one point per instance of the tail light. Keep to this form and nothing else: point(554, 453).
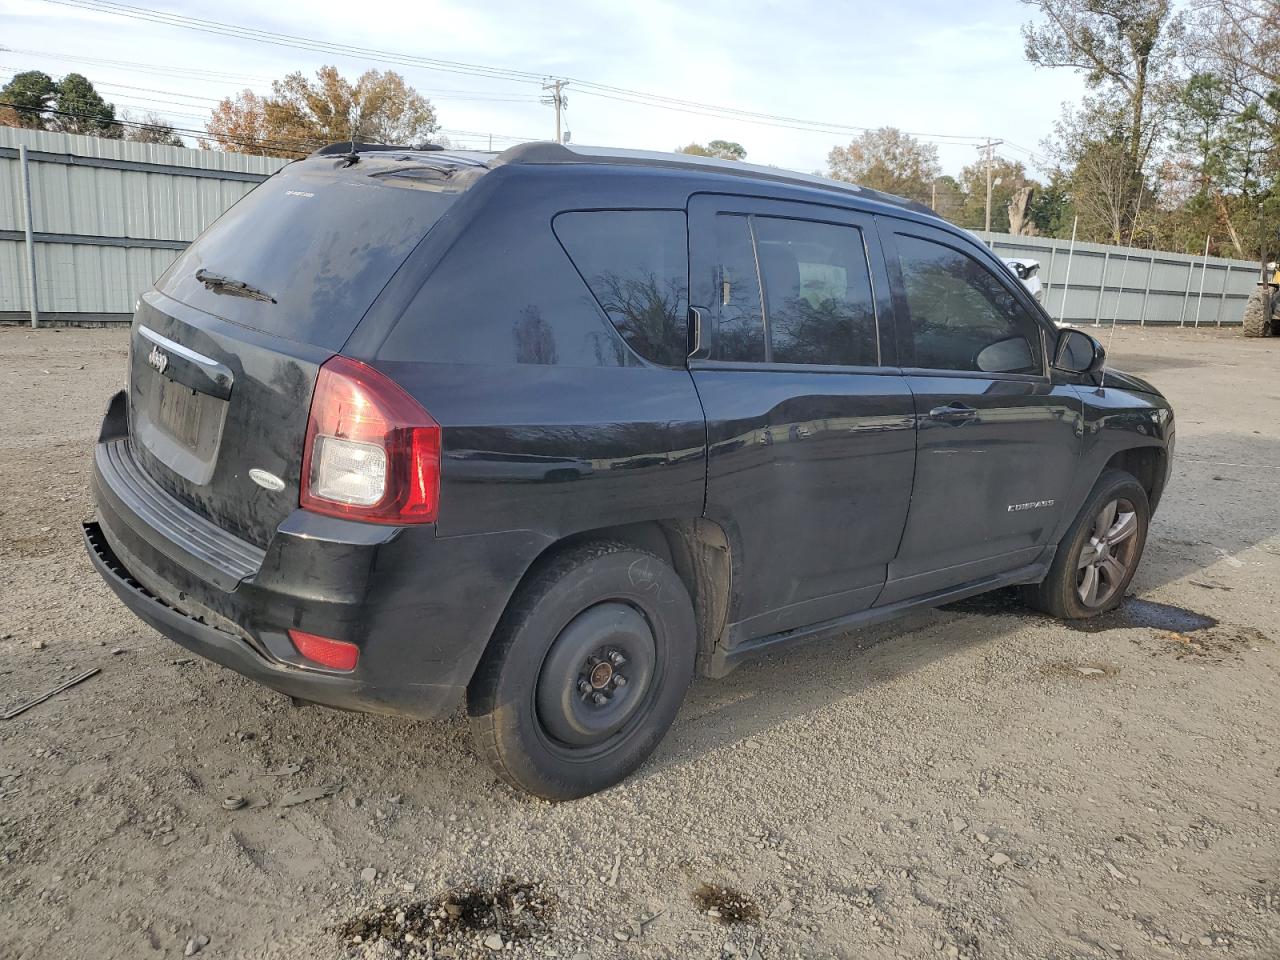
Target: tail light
point(372, 453)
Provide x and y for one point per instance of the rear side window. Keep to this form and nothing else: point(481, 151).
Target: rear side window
point(321, 243)
point(818, 298)
point(962, 316)
point(635, 263)
point(817, 305)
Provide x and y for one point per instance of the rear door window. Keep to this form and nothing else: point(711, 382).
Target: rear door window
point(818, 300)
point(636, 265)
point(740, 328)
point(817, 305)
point(962, 316)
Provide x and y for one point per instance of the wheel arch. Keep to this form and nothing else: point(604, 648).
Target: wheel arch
point(1148, 465)
point(698, 551)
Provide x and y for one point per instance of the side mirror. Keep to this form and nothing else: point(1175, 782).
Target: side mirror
point(1077, 352)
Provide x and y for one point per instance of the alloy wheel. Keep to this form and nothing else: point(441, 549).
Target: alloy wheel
point(1108, 555)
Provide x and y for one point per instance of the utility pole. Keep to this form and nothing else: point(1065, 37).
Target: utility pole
point(990, 147)
point(557, 100)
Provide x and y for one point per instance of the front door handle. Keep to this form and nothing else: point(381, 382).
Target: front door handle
point(954, 412)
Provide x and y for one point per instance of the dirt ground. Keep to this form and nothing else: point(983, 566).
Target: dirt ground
point(972, 782)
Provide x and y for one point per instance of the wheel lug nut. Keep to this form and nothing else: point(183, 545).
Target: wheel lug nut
point(599, 699)
point(617, 659)
point(619, 680)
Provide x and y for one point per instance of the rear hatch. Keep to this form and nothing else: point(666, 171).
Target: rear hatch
point(226, 349)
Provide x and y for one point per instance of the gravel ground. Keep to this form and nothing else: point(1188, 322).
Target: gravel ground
point(972, 782)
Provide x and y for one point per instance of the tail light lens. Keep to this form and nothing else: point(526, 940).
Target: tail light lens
point(372, 453)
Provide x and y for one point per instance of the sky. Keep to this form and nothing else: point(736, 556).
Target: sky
point(952, 72)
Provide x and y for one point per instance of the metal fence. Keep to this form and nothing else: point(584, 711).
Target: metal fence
point(101, 219)
point(87, 224)
point(1089, 283)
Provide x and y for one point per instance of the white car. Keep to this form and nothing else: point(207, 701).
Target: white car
point(1027, 271)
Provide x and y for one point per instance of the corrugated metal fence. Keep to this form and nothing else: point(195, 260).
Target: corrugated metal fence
point(109, 216)
point(1094, 284)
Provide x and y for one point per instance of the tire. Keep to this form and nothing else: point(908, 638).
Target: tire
point(587, 615)
point(1082, 582)
point(1257, 314)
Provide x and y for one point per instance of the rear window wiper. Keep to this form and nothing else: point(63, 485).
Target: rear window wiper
point(220, 284)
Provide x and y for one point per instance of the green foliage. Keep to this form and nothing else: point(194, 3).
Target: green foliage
point(71, 105)
point(1051, 208)
point(81, 109)
point(722, 149)
point(1011, 176)
point(28, 94)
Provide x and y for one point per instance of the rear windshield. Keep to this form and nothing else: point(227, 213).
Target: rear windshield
point(321, 242)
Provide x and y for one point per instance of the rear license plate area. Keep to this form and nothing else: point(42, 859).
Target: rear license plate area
point(180, 412)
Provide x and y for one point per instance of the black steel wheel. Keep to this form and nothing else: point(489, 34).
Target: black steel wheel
point(585, 672)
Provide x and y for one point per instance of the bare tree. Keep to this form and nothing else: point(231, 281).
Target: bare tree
point(1126, 50)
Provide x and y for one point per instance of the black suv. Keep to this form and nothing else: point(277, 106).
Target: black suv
point(553, 430)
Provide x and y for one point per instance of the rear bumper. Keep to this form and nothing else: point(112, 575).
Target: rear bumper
point(235, 652)
point(420, 608)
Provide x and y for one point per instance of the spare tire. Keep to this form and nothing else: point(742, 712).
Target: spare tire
point(1257, 313)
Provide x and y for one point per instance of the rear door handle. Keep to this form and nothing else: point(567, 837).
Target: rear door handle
point(954, 412)
point(699, 334)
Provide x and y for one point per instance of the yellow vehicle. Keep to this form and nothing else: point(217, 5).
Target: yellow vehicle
point(1262, 312)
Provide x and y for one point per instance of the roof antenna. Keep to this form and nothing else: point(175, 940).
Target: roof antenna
point(1102, 381)
point(352, 157)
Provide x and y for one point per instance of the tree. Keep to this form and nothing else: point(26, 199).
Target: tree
point(1092, 147)
point(378, 107)
point(887, 159)
point(28, 96)
point(1126, 50)
point(722, 149)
point(1012, 176)
point(1051, 209)
point(151, 128)
point(946, 197)
point(1226, 148)
point(301, 115)
point(239, 124)
point(81, 109)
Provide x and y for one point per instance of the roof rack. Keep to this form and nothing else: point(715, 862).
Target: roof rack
point(547, 152)
point(347, 146)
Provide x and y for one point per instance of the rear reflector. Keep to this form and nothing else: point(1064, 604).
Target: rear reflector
point(334, 654)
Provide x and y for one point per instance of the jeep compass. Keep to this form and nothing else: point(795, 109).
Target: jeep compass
point(550, 431)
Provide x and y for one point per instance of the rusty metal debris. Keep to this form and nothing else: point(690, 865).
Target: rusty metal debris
point(67, 685)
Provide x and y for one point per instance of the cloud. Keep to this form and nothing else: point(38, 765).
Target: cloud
point(929, 66)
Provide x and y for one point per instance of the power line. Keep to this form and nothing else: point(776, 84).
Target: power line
point(289, 40)
point(434, 93)
point(589, 88)
point(282, 145)
point(187, 131)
